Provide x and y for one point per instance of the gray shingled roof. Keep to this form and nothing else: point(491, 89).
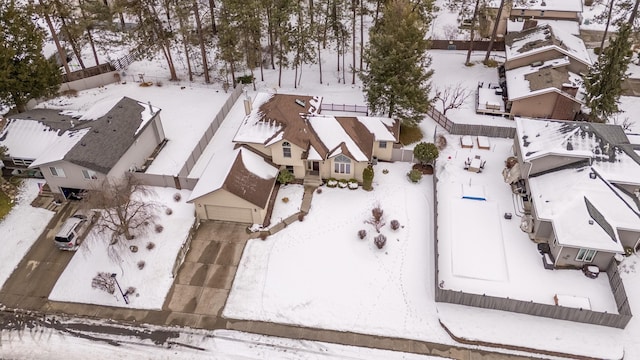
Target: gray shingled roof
point(110, 137)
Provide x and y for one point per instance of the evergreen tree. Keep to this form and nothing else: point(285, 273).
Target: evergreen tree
point(603, 83)
point(397, 79)
point(425, 153)
point(24, 72)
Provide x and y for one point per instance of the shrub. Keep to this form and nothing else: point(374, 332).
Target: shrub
point(380, 240)
point(628, 250)
point(331, 182)
point(376, 218)
point(141, 264)
point(150, 245)
point(159, 228)
point(342, 183)
point(596, 50)
point(168, 211)
point(285, 177)
point(133, 248)
point(410, 134)
point(426, 153)
point(353, 184)
point(367, 178)
point(395, 224)
point(414, 175)
point(318, 191)
point(285, 199)
point(177, 197)
point(385, 171)
point(491, 63)
point(246, 79)
point(362, 234)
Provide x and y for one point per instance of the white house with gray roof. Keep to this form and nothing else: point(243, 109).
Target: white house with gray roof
point(581, 184)
point(75, 151)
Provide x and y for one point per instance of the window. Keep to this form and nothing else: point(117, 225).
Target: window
point(56, 171)
point(342, 164)
point(383, 145)
point(23, 162)
point(286, 149)
point(89, 174)
point(586, 255)
point(289, 168)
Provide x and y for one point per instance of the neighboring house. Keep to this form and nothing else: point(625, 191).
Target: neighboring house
point(235, 187)
point(73, 151)
point(545, 42)
point(289, 130)
point(570, 10)
point(542, 73)
point(580, 184)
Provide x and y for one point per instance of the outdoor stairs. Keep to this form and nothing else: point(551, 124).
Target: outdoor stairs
point(312, 181)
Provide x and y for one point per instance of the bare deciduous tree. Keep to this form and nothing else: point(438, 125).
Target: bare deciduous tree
point(452, 97)
point(105, 282)
point(122, 207)
point(625, 123)
point(376, 218)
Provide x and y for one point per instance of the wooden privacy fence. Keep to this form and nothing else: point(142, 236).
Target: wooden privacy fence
point(345, 107)
point(470, 129)
point(209, 133)
point(178, 182)
point(184, 249)
point(88, 72)
point(478, 45)
point(619, 320)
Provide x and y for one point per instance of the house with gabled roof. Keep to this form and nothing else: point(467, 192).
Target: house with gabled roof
point(580, 187)
point(235, 187)
point(542, 73)
point(75, 151)
point(289, 130)
point(565, 10)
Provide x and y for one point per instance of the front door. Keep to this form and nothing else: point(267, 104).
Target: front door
point(313, 167)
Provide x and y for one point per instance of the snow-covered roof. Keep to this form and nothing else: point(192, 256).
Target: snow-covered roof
point(379, 127)
point(606, 146)
point(95, 140)
point(333, 135)
point(559, 196)
point(28, 139)
point(551, 76)
point(550, 5)
point(58, 149)
point(296, 119)
point(549, 36)
point(242, 173)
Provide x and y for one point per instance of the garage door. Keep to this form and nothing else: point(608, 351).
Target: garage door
point(226, 213)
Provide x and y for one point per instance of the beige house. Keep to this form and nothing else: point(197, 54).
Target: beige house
point(235, 187)
point(579, 185)
point(74, 152)
point(289, 130)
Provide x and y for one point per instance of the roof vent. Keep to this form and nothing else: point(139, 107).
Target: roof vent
point(543, 4)
point(569, 146)
point(592, 175)
point(590, 221)
point(536, 63)
point(301, 103)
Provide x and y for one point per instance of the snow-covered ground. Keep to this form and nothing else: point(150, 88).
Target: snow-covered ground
point(153, 281)
point(219, 345)
point(282, 209)
point(21, 228)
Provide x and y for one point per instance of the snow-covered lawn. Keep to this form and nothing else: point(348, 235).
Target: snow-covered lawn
point(319, 273)
point(481, 252)
point(153, 281)
point(21, 228)
point(283, 209)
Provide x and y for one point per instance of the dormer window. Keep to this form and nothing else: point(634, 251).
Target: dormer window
point(286, 149)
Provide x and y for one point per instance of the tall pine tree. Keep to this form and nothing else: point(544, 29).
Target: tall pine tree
point(25, 74)
point(603, 83)
point(396, 81)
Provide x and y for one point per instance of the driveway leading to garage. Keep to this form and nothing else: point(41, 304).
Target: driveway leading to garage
point(204, 280)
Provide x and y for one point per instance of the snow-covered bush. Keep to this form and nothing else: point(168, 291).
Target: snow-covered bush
point(362, 234)
point(380, 241)
point(395, 224)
